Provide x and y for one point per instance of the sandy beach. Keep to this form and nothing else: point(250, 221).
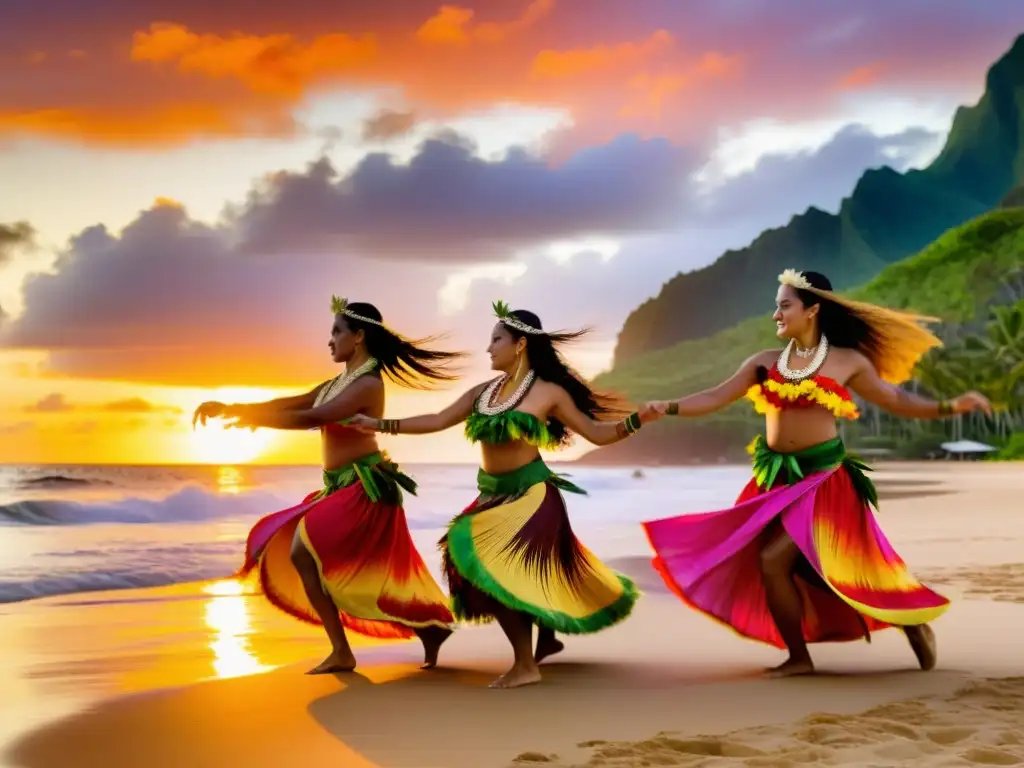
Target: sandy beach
point(199, 676)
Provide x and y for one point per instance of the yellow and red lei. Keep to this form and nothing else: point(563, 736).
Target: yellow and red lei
point(776, 393)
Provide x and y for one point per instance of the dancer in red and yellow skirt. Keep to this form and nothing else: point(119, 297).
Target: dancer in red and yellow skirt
point(800, 558)
point(343, 557)
point(511, 555)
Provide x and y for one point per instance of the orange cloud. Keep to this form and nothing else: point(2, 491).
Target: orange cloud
point(452, 24)
point(579, 61)
point(714, 64)
point(863, 77)
point(165, 124)
point(653, 92)
point(272, 64)
point(187, 83)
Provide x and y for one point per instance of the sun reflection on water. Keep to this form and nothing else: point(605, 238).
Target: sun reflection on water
point(229, 480)
point(227, 614)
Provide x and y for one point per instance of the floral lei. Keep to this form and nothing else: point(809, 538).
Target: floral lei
point(776, 393)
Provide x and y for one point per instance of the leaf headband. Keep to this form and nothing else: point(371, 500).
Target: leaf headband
point(503, 313)
point(339, 306)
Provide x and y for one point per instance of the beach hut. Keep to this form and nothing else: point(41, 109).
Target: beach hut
point(964, 449)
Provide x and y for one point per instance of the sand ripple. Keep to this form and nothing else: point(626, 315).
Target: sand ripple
point(982, 724)
point(1003, 583)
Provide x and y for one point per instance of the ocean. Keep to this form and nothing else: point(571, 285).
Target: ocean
point(67, 529)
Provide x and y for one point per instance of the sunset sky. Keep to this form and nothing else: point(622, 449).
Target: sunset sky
point(186, 183)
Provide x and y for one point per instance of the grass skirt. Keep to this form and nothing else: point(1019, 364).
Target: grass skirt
point(356, 531)
point(850, 578)
point(514, 547)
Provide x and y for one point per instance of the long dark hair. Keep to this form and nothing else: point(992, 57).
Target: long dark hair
point(407, 362)
point(841, 326)
point(549, 365)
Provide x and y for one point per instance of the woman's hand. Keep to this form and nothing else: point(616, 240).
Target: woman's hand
point(971, 401)
point(208, 410)
point(242, 420)
point(653, 410)
point(363, 423)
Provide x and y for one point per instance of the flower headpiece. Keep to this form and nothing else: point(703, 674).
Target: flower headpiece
point(795, 279)
point(503, 313)
point(901, 339)
point(339, 306)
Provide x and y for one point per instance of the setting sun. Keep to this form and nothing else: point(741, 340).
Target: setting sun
point(216, 443)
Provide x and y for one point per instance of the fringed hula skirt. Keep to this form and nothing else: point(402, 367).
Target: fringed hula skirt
point(514, 547)
point(851, 580)
point(356, 531)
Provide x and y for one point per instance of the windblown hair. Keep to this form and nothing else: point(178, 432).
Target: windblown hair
point(893, 341)
point(549, 365)
point(407, 362)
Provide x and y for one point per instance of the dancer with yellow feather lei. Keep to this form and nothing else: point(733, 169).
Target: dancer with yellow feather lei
point(800, 558)
point(343, 557)
point(512, 555)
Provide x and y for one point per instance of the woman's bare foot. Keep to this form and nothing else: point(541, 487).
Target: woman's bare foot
point(922, 642)
point(791, 668)
point(518, 676)
point(336, 661)
point(432, 638)
point(547, 645)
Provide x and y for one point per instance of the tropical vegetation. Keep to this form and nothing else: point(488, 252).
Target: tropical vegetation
point(972, 278)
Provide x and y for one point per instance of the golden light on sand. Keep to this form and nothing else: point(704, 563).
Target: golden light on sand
point(227, 615)
point(224, 588)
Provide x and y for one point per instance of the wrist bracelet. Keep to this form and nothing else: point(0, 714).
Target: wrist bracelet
point(945, 408)
point(631, 424)
point(388, 426)
point(673, 408)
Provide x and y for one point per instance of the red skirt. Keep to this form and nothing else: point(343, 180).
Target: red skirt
point(356, 532)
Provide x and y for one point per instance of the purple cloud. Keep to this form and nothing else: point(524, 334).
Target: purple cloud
point(388, 124)
point(451, 206)
point(177, 301)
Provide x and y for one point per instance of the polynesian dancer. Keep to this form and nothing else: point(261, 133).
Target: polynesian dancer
point(800, 558)
point(343, 557)
point(512, 555)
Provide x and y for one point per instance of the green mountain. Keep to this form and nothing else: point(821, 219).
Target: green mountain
point(888, 216)
point(958, 278)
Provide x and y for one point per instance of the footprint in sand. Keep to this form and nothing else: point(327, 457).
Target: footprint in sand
point(988, 756)
point(1003, 583)
point(981, 724)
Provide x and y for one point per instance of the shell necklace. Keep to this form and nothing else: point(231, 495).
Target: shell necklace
point(342, 381)
point(812, 367)
point(485, 403)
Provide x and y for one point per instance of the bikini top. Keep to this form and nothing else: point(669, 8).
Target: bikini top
point(776, 393)
point(488, 424)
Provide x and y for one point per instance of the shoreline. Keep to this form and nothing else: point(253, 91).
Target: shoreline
point(214, 678)
point(692, 679)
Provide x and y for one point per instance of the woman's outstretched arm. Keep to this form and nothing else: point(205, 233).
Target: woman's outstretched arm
point(868, 384)
point(358, 396)
point(592, 430)
point(213, 409)
point(717, 398)
point(421, 425)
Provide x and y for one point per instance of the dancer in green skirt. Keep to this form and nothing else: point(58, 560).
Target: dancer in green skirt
point(511, 555)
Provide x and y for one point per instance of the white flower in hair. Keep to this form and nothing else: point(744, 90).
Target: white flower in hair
point(795, 279)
